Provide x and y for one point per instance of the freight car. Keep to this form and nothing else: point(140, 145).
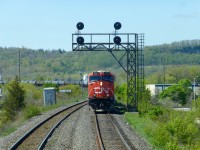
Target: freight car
point(101, 90)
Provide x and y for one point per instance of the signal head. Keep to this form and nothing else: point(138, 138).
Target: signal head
point(117, 25)
point(80, 25)
point(80, 40)
point(117, 40)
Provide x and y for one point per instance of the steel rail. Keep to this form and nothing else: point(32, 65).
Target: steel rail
point(20, 141)
point(42, 145)
point(99, 138)
point(119, 133)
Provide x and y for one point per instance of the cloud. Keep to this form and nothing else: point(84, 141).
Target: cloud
point(188, 16)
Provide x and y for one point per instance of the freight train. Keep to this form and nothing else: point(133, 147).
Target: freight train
point(101, 90)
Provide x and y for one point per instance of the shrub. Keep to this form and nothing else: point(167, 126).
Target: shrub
point(31, 111)
point(33, 94)
point(46, 85)
point(15, 101)
point(155, 112)
point(183, 128)
point(172, 145)
point(167, 129)
point(3, 119)
point(178, 93)
point(121, 93)
point(161, 135)
point(75, 89)
point(196, 106)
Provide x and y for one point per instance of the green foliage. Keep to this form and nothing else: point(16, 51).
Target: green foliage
point(3, 119)
point(76, 89)
point(34, 105)
point(173, 73)
point(15, 100)
point(7, 130)
point(178, 93)
point(50, 64)
point(183, 128)
point(46, 85)
point(47, 64)
point(31, 111)
point(155, 112)
point(121, 93)
point(176, 53)
point(143, 97)
point(184, 83)
point(34, 94)
point(144, 101)
point(196, 106)
point(166, 129)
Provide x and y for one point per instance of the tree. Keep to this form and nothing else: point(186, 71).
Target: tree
point(15, 101)
point(178, 93)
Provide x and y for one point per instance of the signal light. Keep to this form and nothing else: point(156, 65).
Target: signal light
point(80, 40)
point(80, 25)
point(117, 40)
point(117, 25)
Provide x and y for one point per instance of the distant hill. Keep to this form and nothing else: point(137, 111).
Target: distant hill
point(45, 64)
point(176, 53)
point(50, 64)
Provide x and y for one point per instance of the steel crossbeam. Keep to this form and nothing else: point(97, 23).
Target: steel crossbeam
point(132, 46)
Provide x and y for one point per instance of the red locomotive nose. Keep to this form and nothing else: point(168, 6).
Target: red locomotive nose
point(101, 89)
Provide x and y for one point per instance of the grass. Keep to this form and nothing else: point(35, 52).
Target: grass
point(173, 131)
point(34, 106)
point(139, 123)
point(8, 130)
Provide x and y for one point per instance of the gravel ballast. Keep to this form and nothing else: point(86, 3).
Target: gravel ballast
point(8, 141)
point(75, 133)
point(131, 135)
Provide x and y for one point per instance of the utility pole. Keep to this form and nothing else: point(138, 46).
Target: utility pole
point(81, 82)
point(194, 87)
point(164, 72)
point(19, 65)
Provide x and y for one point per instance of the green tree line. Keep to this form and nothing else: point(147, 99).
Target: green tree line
point(43, 64)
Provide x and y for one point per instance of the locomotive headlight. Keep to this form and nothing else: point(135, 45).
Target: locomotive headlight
point(101, 83)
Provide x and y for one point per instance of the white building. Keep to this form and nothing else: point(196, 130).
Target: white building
point(156, 89)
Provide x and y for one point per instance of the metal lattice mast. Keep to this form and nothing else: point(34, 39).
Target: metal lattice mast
point(140, 67)
point(140, 61)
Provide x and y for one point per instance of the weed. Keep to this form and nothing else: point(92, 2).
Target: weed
point(31, 111)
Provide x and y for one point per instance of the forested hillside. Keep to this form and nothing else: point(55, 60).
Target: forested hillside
point(171, 62)
point(176, 53)
point(51, 64)
point(60, 64)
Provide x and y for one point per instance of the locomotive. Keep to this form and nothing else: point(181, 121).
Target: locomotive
point(101, 90)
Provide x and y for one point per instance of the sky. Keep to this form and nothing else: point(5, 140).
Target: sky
point(49, 24)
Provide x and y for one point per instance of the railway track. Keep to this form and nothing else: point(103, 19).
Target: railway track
point(109, 136)
point(37, 137)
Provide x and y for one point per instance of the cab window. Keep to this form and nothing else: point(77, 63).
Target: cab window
point(108, 78)
point(94, 78)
